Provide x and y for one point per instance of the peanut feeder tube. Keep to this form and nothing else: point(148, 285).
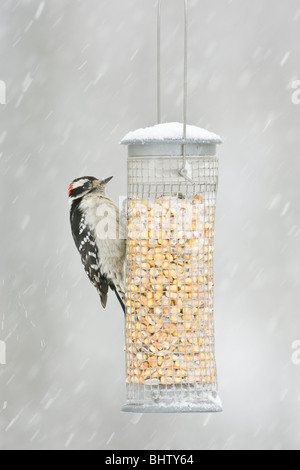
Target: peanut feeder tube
point(170, 340)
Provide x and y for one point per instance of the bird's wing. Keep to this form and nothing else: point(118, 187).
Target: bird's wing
point(86, 245)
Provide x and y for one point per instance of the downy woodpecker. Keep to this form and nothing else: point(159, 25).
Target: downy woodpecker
point(99, 235)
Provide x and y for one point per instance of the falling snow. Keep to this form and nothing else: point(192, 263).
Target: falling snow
point(39, 10)
point(285, 209)
point(285, 58)
point(79, 76)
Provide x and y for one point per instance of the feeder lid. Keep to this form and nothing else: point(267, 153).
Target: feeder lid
point(167, 139)
point(171, 133)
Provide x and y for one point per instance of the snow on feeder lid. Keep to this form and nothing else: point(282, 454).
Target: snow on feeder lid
point(167, 139)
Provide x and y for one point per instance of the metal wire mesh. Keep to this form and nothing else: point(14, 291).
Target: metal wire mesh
point(170, 350)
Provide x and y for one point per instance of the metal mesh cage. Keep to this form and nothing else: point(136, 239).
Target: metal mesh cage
point(170, 346)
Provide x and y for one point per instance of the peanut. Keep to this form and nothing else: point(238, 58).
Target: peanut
point(169, 322)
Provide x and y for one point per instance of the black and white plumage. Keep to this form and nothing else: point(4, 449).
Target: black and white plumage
point(99, 236)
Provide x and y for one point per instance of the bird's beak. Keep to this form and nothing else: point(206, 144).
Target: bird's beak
point(107, 180)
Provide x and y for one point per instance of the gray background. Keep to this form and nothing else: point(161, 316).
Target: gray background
point(79, 76)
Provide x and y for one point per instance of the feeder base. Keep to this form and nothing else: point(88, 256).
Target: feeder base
point(209, 405)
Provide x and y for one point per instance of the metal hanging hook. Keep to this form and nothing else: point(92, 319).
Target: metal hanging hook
point(183, 170)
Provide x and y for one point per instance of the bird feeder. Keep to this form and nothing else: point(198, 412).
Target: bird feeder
point(170, 342)
point(169, 325)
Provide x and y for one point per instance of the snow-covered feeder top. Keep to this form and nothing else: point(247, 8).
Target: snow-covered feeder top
point(167, 139)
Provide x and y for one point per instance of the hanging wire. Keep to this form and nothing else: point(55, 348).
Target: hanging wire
point(185, 64)
point(183, 171)
point(185, 86)
point(159, 62)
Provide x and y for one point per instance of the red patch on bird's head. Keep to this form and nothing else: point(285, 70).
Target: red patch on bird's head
point(70, 189)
